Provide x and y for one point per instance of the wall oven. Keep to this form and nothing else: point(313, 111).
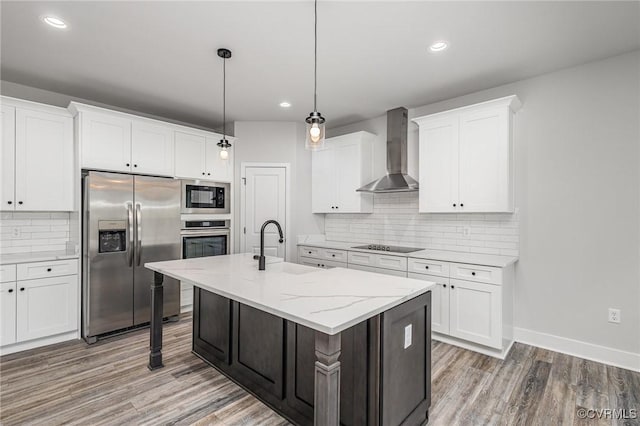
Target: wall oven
point(200, 238)
point(205, 197)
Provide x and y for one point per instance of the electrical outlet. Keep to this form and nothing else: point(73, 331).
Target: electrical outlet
point(614, 315)
point(466, 231)
point(15, 232)
point(407, 336)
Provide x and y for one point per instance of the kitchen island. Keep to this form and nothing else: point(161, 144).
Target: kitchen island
point(323, 347)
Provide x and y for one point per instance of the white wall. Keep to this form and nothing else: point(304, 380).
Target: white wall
point(279, 142)
point(578, 193)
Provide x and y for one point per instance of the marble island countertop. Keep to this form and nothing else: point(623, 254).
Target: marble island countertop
point(442, 255)
point(40, 256)
point(326, 300)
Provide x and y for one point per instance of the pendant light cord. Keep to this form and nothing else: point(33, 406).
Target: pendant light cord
point(224, 98)
point(315, 57)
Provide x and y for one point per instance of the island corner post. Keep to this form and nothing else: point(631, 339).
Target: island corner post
point(327, 366)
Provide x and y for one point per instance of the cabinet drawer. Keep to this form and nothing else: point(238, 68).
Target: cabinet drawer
point(335, 255)
point(431, 267)
point(309, 252)
point(481, 274)
point(396, 263)
point(378, 270)
point(7, 273)
point(56, 268)
point(358, 258)
point(320, 263)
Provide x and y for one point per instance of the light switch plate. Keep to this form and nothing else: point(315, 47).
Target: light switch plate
point(407, 336)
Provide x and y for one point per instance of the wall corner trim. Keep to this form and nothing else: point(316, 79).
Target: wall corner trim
point(580, 349)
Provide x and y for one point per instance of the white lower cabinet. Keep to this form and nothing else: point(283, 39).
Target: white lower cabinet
point(439, 301)
point(475, 312)
point(38, 308)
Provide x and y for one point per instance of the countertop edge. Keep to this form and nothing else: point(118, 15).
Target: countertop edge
point(19, 258)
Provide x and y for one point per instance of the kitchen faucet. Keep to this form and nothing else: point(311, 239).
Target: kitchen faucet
point(261, 259)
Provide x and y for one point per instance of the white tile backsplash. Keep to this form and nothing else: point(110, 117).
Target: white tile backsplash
point(395, 220)
point(24, 232)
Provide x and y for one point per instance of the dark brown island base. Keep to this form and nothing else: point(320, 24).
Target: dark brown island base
point(321, 347)
point(381, 383)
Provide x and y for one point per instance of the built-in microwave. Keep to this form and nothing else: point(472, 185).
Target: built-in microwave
point(205, 197)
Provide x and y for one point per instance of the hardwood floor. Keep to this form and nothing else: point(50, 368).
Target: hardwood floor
point(108, 383)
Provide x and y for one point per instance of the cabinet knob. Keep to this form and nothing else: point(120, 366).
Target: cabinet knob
point(452, 286)
point(135, 165)
point(323, 265)
point(461, 205)
point(208, 174)
point(20, 202)
point(454, 204)
point(333, 255)
point(203, 173)
point(128, 164)
point(48, 269)
point(9, 202)
point(444, 285)
point(21, 288)
point(10, 290)
point(337, 207)
point(473, 273)
point(426, 267)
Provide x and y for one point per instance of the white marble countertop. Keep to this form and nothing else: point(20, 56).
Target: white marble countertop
point(327, 300)
point(442, 255)
point(42, 256)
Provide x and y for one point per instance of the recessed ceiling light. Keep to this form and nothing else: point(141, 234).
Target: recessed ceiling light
point(438, 46)
point(54, 22)
point(285, 104)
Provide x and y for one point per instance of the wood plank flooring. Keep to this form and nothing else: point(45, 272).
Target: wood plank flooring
point(108, 384)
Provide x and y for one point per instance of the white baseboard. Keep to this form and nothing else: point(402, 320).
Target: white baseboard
point(36, 343)
point(603, 354)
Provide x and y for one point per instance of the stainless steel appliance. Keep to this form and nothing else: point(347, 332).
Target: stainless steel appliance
point(396, 179)
point(202, 238)
point(127, 221)
point(205, 197)
point(391, 249)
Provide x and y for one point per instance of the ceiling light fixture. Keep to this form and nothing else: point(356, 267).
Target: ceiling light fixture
point(315, 120)
point(54, 22)
point(285, 104)
point(224, 143)
point(438, 46)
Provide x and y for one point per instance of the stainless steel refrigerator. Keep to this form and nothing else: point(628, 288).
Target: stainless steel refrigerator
point(127, 221)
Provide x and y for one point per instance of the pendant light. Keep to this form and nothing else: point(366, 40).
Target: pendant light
point(315, 120)
point(224, 143)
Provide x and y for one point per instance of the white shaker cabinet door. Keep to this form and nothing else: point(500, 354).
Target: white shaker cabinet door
point(348, 175)
point(44, 161)
point(218, 169)
point(190, 155)
point(323, 181)
point(485, 161)
point(439, 301)
point(105, 142)
point(439, 165)
point(46, 306)
point(476, 312)
point(7, 313)
point(152, 149)
point(8, 158)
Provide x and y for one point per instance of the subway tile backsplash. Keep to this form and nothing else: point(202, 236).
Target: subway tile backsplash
point(395, 220)
point(24, 232)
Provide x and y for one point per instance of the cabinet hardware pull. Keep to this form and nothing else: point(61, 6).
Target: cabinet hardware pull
point(48, 269)
point(21, 288)
point(426, 267)
point(452, 286)
point(20, 202)
point(208, 174)
point(9, 202)
point(461, 205)
point(473, 273)
point(454, 204)
point(309, 252)
point(127, 164)
point(135, 165)
point(444, 285)
point(10, 290)
point(203, 173)
point(333, 255)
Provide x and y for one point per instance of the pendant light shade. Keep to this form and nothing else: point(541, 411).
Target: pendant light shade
point(315, 121)
point(224, 143)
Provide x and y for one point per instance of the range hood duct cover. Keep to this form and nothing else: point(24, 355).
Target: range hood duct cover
point(397, 179)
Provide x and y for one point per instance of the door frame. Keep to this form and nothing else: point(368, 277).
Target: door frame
point(287, 204)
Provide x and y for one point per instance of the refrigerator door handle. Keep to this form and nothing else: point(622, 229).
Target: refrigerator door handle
point(130, 230)
point(139, 234)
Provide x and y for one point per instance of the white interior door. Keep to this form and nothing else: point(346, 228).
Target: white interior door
point(265, 199)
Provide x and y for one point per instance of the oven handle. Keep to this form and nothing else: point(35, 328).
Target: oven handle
point(204, 232)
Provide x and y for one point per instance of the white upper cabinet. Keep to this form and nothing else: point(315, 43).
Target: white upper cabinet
point(105, 141)
point(198, 157)
point(466, 158)
point(37, 157)
point(8, 158)
point(344, 165)
point(152, 148)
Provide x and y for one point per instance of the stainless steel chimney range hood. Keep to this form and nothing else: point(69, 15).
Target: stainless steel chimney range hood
point(397, 179)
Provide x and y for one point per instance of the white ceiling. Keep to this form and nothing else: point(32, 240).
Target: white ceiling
point(160, 57)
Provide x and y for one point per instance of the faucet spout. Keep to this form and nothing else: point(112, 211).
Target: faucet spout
point(262, 259)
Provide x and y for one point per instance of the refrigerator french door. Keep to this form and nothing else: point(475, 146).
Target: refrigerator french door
point(127, 221)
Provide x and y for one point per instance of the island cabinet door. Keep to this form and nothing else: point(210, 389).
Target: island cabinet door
point(301, 360)
point(405, 352)
point(258, 350)
point(212, 327)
